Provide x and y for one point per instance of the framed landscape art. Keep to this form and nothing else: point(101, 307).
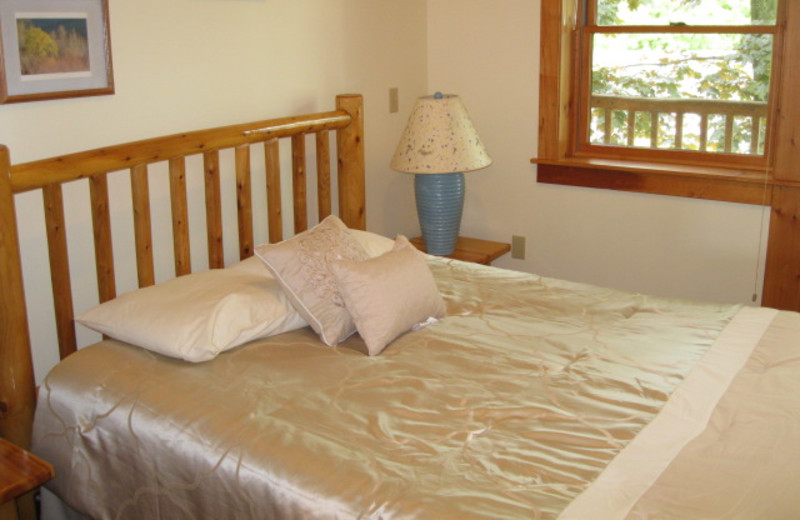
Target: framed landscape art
point(54, 49)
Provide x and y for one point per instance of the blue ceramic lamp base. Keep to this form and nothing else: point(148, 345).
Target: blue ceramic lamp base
point(440, 202)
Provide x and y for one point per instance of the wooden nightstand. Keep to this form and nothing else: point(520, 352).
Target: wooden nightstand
point(20, 472)
point(472, 249)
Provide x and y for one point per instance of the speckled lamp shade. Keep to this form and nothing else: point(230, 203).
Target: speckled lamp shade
point(440, 138)
point(439, 144)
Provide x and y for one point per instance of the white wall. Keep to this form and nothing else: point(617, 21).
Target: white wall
point(488, 52)
point(190, 64)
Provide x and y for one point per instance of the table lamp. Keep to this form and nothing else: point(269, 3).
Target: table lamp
point(439, 144)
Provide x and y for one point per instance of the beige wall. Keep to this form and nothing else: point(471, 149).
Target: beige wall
point(488, 52)
point(189, 64)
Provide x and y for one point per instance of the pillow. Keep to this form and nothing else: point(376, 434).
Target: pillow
point(389, 294)
point(301, 265)
point(197, 316)
point(252, 265)
point(373, 244)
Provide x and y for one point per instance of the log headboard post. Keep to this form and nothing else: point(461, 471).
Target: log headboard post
point(17, 390)
point(16, 366)
point(350, 148)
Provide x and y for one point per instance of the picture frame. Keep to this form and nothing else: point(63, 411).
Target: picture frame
point(52, 49)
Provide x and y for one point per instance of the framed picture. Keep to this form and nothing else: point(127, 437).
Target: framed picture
point(54, 49)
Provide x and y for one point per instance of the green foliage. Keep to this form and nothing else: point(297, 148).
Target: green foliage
point(60, 50)
point(36, 43)
point(682, 66)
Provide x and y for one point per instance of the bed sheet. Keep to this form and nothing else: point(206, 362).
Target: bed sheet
point(511, 407)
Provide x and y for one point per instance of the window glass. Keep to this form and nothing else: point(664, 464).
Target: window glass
point(686, 12)
point(676, 88)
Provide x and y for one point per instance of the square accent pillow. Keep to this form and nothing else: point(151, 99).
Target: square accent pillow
point(373, 244)
point(389, 294)
point(301, 265)
point(197, 316)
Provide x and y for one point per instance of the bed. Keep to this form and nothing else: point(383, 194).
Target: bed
point(467, 392)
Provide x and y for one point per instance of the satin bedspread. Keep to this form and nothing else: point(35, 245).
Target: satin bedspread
point(508, 408)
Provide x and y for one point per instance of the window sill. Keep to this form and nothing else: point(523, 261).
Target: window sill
point(725, 184)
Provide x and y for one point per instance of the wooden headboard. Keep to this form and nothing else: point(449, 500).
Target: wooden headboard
point(17, 390)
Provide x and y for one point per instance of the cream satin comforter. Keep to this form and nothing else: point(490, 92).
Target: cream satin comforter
point(514, 406)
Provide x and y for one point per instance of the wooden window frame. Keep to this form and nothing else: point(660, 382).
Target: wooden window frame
point(776, 183)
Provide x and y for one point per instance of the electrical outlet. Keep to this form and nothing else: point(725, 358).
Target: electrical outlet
point(394, 101)
point(518, 247)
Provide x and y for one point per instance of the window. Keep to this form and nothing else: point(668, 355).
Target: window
point(659, 76)
point(639, 89)
point(572, 148)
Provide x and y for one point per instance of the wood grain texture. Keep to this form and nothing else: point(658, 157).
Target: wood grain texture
point(181, 243)
point(103, 246)
point(17, 390)
point(787, 124)
point(59, 268)
point(551, 78)
point(473, 250)
point(244, 201)
point(350, 148)
point(142, 229)
point(782, 270)
point(323, 158)
point(20, 471)
point(56, 170)
point(299, 189)
point(274, 206)
point(644, 180)
point(16, 365)
point(216, 255)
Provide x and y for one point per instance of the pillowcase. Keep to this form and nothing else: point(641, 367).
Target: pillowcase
point(373, 244)
point(389, 294)
point(301, 265)
point(197, 316)
point(252, 265)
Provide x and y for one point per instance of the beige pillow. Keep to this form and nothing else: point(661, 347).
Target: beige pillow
point(301, 265)
point(373, 244)
point(389, 294)
point(197, 316)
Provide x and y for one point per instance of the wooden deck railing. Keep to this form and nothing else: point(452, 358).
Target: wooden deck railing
point(676, 131)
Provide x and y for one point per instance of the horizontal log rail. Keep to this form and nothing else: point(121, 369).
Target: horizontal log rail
point(37, 174)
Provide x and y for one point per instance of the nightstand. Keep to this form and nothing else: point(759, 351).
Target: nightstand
point(20, 472)
point(472, 249)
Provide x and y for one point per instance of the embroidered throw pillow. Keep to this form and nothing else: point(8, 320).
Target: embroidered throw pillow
point(301, 265)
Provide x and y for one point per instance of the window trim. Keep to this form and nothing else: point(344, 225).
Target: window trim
point(780, 190)
point(564, 159)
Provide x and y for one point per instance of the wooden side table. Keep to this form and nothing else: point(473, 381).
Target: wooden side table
point(20, 472)
point(472, 249)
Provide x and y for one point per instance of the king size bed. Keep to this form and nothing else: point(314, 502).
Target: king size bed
point(341, 374)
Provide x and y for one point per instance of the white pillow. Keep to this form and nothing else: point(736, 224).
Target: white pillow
point(252, 265)
point(389, 294)
point(301, 265)
point(197, 316)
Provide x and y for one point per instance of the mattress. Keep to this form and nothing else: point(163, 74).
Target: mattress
point(533, 398)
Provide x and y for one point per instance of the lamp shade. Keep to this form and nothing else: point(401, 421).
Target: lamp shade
point(439, 138)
